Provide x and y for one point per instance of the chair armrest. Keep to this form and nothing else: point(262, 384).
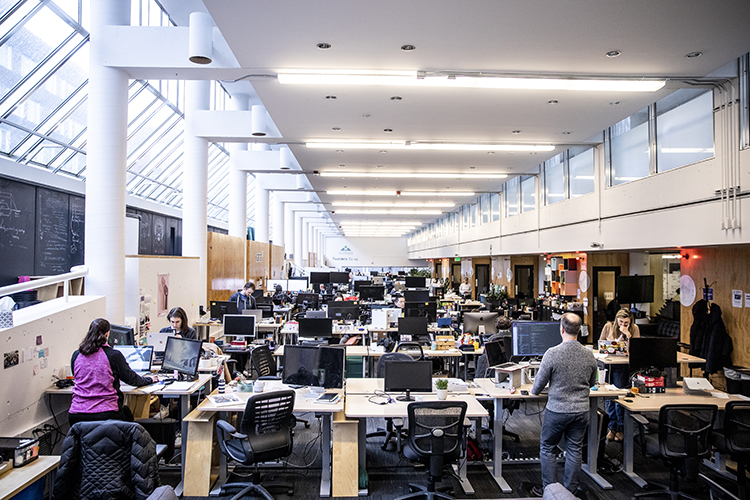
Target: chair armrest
point(640, 419)
point(229, 429)
point(467, 422)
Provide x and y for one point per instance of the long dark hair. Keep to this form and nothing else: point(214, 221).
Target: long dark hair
point(95, 338)
point(178, 312)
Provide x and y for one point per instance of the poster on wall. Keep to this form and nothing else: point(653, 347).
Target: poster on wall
point(162, 290)
point(144, 316)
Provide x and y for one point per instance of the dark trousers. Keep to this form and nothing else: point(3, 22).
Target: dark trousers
point(573, 427)
point(74, 418)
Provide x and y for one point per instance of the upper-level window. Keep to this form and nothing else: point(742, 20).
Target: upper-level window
point(684, 128)
point(511, 197)
point(580, 171)
point(629, 143)
point(554, 179)
point(528, 194)
point(495, 206)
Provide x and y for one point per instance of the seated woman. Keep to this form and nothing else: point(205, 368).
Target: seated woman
point(178, 319)
point(97, 370)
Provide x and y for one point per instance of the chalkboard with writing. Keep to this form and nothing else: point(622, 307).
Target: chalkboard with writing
point(77, 226)
point(52, 253)
point(159, 239)
point(144, 241)
point(17, 215)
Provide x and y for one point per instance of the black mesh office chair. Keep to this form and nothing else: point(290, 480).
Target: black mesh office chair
point(265, 367)
point(266, 435)
point(436, 434)
point(393, 426)
point(683, 439)
point(733, 440)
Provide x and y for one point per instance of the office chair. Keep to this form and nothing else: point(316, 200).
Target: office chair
point(411, 348)
point(733, 440)
point(390, 423)
point(265, 367)
point(682, 440)
point(266, 435)
point(436, 436)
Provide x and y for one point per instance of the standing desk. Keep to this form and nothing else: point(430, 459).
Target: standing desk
point(184, 396)
point(358, 406)
point(202, 426)
point(486, 388)
point(19, 478)
point(654, 402)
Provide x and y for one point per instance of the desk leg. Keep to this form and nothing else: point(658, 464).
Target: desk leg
point(463, 464)
point(325, 475)
point(362, 451)
point(223, 470)
point(497, 454)
point(627, 450)
point(591, 467)
point(184, 411)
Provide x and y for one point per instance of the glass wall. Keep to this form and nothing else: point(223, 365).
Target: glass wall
point(629, 143)
point(554, 179)
point(684, 128)
point(580, 171)
point(528, 194)
point(511, 197)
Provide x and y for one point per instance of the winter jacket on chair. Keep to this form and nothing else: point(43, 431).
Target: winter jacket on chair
point(717, 344)
point(108, 460)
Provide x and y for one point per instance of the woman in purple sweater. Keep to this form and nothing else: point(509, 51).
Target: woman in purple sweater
point(97, 370)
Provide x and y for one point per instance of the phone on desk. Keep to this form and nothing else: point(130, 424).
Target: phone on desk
point(524, 392)
point(328, 397)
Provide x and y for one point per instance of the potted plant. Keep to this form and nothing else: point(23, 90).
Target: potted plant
point(496, 295)
point(441, 385)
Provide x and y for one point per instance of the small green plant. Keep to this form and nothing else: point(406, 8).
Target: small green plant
point(441, 384)
point(424, 273)
point(497, 293)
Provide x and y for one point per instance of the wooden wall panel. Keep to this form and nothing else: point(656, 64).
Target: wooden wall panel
point(276, 265)
point(258, 262)
point(725, 269)
point(226, 265)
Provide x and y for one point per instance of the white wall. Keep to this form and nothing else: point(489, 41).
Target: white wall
point(62, 326)
point(378, 252)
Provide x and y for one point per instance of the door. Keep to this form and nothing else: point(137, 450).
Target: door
point(438, 270)
point(603, 285)
point(455, 275)
point(482, 283)
point(524, 282)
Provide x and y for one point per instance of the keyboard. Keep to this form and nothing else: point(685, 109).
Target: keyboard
point(505, 365)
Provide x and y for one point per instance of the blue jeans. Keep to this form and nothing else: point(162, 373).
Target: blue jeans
point(620, 376)
point(554, 427)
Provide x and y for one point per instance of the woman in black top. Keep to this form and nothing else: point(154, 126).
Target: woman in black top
point(178, 319)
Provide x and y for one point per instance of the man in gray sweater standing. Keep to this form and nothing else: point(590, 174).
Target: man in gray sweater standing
point(570, 370)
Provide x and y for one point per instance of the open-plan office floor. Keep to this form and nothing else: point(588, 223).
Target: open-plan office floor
point(390, 475)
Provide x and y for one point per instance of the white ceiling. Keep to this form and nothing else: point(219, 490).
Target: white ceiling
point(521, 36)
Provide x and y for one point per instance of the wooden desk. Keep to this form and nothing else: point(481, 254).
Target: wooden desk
point(16, 480)
point(368, 386)
point(359, 406)
point(654, 402)
point(202, 425)
point(486, 388)
point(682, 358)
point(184, 397)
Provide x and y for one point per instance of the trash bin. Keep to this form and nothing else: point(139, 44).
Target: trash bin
point(734, 380)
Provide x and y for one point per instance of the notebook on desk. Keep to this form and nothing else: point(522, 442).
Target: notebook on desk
point(138, 357)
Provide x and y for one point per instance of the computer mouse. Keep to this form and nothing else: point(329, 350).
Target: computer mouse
point(628, 400)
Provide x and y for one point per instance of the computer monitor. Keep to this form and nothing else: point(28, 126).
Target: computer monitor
point(121, 335)
point(415, 326)
point(635, 289)
point(314, 366)
point(343, 310)
point(257, 293)
point(358, 284)
point(320, 278)
point(378, 280)
point(138, 357)
point(495, 353)
point(315, 314)
point(533, 338)
point(296, 284)
point(263, 300)
point(409, 376)
point(315, 327)
point(472, 321)
point(416, 295)
point(416, 282)
point(339, 277)
point(426, 309)
point(220, 308)
point(312, 300)
point(371, 292)
point(271, 284)
point(266, 310)
point(241, 325)
point(657, 352)
point(182, 355)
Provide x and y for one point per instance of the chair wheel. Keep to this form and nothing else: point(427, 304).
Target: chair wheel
point(290, 491)
point(307, 425)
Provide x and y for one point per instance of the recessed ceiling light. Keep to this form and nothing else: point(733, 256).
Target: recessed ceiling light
point(516, 132)
point(342, 166)
point(472, 168)
point(330, 97)
point(336, 129)
point(339, 150)
point(383, 151)
point(553, 101)
point(614, 103)
point(366, 115)
point(324, 46)
point(490, 152)
point(396, 98)
point(407, 47)
point(387, 130)
point(693, 55)
point(566, 133)
point(378, 166)
point(613, 53)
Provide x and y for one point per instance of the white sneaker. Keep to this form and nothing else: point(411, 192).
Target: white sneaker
point(178, 440)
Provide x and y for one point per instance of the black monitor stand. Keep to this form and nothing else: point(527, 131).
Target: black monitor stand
point(406, 397)
point(184, 377)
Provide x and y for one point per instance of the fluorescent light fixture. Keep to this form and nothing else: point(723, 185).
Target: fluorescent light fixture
point(671, 256)
point(378, 211)
point(415, 79)
point(687, 150)
point(379, 223)
point(430, 146)
point(584, 177)
point(412, 175)
point(374, 235)
point(376, 192)
point(405, 204)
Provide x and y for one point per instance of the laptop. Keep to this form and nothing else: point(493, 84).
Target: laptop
point(159, 341)
point(139, 357)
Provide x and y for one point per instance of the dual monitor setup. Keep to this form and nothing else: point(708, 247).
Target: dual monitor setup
point(180, 355)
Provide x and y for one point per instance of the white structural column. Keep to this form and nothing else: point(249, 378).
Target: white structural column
point(195, 184)
point(261, 211)
point(288, 230)
point(277, 212)
point(305, 241)
point(237, 179)
point(105, 165)
point(298, 238)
